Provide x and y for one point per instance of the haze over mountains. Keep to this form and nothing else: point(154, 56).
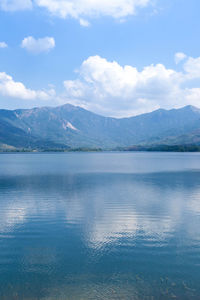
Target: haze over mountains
point(70, 126)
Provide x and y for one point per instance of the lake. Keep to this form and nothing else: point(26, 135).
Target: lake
point(100, 226)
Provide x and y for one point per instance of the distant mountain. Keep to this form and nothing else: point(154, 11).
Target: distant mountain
point(71, 126)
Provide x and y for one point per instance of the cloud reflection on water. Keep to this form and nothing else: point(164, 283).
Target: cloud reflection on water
point(108, 207)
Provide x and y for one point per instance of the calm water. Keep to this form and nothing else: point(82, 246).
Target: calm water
point(100, 226)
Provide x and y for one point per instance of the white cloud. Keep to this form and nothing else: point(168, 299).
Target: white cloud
point(179, 56)
point(81, 9)
point(37, 46)
point(192, 67)
point(110, 89)
point(14, 5)
point(84, 23)
point(11, 88)
point(3, 45)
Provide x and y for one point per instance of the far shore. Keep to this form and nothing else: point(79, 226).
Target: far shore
point(136, 148)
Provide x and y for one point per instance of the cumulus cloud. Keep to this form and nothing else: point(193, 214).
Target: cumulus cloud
point(179, 56)
point(14, 5)
point(111, 89)
point(83, 9)
point(192, 67)
point(11, 88)
point(3, 45)
point(37, 46)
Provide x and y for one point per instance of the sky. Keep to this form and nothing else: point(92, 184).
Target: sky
point(116, 58)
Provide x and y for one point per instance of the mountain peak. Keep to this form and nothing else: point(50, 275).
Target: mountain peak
point(69, 107)
point(191, 108)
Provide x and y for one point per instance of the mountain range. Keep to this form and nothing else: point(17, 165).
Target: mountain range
point(68, 126)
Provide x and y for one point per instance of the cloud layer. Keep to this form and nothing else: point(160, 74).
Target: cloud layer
point(107, 88)
point(81, 10)
point(111, 89)
point(37, 46)
point(11, 88)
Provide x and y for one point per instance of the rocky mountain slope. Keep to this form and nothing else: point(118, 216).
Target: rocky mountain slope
point(70, 126)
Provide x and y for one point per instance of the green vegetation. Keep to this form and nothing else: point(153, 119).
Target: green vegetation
point(152, 148)
point(165, 148)
point(29, 150)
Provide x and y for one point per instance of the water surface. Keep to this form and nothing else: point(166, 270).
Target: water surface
point(100, 226)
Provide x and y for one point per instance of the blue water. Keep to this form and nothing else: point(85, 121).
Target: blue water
point(100, 226)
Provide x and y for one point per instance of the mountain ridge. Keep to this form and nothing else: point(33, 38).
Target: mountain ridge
point(69, 126)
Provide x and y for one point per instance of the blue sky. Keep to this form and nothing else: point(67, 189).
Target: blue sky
point(114, 57)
